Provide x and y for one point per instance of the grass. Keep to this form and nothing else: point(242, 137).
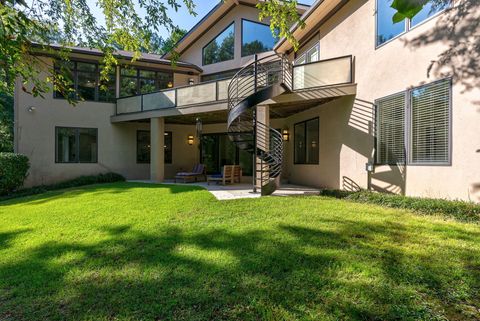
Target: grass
point(130, 251)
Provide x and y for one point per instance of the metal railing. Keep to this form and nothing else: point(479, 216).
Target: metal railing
point(206, 92)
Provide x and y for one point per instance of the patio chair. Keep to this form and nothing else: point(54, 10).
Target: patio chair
point(198, 171)
point(227, 175)
point(237, 173)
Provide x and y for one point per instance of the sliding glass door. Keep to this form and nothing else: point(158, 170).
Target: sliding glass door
point(217, 150)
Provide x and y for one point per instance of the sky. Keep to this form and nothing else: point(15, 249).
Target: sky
point(182, 18)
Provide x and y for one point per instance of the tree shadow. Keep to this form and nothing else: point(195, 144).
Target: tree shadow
point(286, 272)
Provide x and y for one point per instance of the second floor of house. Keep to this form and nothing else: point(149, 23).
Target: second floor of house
point(343, 43)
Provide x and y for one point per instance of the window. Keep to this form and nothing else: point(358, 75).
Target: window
point(256, 38)
point(75, 145)
point(391, 129)
point(220, 75)
point(143, 147)
point(387, 30)
point(222, 48)
point(306, 142)
point(422, 120)
point(84, 79)
point(311, 55)
point(430, 123)
point(134, 81)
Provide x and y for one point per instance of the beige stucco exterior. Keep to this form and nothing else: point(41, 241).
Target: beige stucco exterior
point(346, 124)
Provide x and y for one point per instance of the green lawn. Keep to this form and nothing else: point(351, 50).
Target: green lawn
point(130, 251)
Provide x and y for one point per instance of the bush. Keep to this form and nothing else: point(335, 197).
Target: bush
point(79, 181)
point(465, 211)
point(13, 171)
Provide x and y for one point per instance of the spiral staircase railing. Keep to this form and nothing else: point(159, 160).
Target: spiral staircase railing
point(255, 83)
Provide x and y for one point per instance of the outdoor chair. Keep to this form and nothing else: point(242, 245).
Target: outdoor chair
point(230, 174)
point(198, 171)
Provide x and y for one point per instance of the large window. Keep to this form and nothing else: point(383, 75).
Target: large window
point(143, 147)
point(84, 81)
point(256, 38)
point(222, 48)
point(75, 145)
point(421, 122)
point(134, 81)
point(387, 30)
point(306, 143)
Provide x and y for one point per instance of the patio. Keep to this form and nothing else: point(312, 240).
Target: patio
point(238, 191)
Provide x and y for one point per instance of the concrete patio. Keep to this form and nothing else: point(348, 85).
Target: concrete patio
point(238, 191)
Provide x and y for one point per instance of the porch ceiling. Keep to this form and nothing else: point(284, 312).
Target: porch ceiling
point(287, 109)
point(190, 119)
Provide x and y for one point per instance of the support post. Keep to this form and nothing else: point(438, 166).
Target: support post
point(157, 149)
point(262, 141)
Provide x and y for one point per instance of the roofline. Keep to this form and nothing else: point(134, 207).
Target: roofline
point(217, 6)
point(98, 53)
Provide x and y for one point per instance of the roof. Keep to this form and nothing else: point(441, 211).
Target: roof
point(123, 54)
point(217, 12)
point(318, 12)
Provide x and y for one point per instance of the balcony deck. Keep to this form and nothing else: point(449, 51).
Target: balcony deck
point(313, 82)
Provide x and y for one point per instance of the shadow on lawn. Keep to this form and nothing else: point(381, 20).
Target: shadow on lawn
point(290, 272)
point(97, 190)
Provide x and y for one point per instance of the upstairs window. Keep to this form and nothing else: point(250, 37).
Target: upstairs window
point(84, 80)
point(256, 38)
point(414, 126)
point(311, 55)
point(221, 48)
point(134, 81)
point(387, 30)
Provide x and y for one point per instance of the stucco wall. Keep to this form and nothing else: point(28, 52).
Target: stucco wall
point(194, 53)
point(346, 141)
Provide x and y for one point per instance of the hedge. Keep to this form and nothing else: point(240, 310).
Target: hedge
point(76, 182)
point(13, 171)
point(461, 210)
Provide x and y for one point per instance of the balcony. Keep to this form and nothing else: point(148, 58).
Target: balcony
point(178, 97)
point(320, 79)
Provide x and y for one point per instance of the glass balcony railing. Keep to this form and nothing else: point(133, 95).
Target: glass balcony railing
point(329, 72)
point(203, 93)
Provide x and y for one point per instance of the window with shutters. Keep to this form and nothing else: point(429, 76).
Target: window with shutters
point(391, 129)
point(422, 120)
point(430, 123)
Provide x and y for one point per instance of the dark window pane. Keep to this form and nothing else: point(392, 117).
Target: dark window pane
point(221, 48)
point(106, 91)
point(312, 147)
point(429, 10)
point(147, 85)
point(299, 141)
point(168, 147)
point(87, 145)
point(386, 29)
point(65, 73)
point(220, 75)
point(128, 71)
point(143, 146)
point(87, 83)
point(85, 66)
point(66, 145)
point(163, 79)
point(256, 38)
point(147, 74)
point(128, 86)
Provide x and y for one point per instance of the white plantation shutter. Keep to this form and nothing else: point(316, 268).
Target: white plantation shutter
point(391, 129)
point(430, 123)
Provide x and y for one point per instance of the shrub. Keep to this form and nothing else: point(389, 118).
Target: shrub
point(79, 181)
point(13, 171)
point(465, 211)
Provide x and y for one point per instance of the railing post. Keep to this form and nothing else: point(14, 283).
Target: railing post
point(255, 68)
point(141, 103)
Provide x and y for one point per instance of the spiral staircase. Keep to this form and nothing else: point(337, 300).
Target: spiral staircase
point(255, 83)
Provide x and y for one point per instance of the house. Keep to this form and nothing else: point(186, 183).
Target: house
point(361, 104)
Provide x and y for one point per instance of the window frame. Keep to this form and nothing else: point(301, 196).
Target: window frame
point(305, 141)
point(407, 22)
point(214, 38)
point(241, 37)
point(77, 141)
point(304, 55)
point(170, 133)
point(408, 126)
point(75, 80)
point(137, 77)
